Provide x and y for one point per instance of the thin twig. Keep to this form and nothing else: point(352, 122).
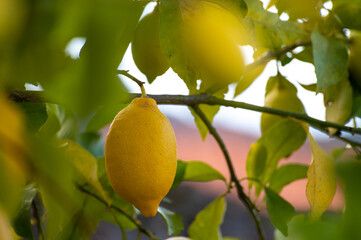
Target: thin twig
point(241, 195)
point(134, 221)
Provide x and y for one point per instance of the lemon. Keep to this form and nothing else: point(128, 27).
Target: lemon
point(212, 34)
point(140, 155)
point(146, 50)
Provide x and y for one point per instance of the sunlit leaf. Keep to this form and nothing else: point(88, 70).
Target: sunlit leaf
point(321, 184)
point(296, 10)
point(310, 87)
point(22, 223)
point(200, 171)
point(5, 227)
point(206, 225)
point(330, 60)
point(286, 174)
point(279, 210)
point(173, 220)
point(85, 164)
point(248, 78)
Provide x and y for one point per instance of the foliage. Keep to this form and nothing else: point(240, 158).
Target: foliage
point(52, 171)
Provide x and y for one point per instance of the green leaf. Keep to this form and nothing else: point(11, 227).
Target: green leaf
point(295, 9)
point(209, 111)
point(115, 199)
point(349, 14)
point(93, 142)
point(230, 238)
point(173, 220)
point(206, 225)
point(350, 174)
point(35, 115)
point(172, 40)
point(330, 60)
point(286, 174)
point(85, 164)
point(52, 124)
point(279, 210)
point(179, 176)
point(256, 161)
point(103, 116)
point(248, 78)
point(201, 172)
point(311, 87)
point(306, 55)
point(22, 223)
point(280, 141)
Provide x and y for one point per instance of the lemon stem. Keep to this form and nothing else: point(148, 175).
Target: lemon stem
point(144, 94)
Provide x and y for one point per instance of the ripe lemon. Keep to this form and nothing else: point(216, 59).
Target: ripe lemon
point(146, 50)
point(212, 34)
point(140, 155)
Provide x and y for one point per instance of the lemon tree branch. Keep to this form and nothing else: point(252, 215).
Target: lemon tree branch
point(191, 100)
point(130, 218)
point(241, 195)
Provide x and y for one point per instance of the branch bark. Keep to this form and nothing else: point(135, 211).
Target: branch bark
point(241, 195)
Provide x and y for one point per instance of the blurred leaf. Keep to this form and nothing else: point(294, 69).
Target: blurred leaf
point(286, 174)
point(115, 199)
point(279, 210)
point(5, 227)
point(93, 142)
point(35, 115)
point(201, 172)
point(301, 228)
point(85, 164)
point(172, 38)
point(103, 116)
point(256, 161)
point(311, 87)
point(179, 176)
point(206, 225)
point(230, 238)
point(299, 10)
point(356, 106)
point(22, 223)
point(52, 124)
point(349, 13)
point(306, 55)
point(248, 78)
point(330, 60)
point(13, 150)
point(173, 220)
point(350, 174)
point(321, 184)
point(68, 123)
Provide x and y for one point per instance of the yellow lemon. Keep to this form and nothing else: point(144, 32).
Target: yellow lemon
point(146, 50)
point(140, 155)
point(212, 34)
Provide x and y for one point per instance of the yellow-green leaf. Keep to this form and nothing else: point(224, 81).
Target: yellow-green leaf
point(206, 226)
point(338, 100)
point(85, 164)
point(321, 184)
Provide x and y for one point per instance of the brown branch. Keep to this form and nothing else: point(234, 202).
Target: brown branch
point(241, 195)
